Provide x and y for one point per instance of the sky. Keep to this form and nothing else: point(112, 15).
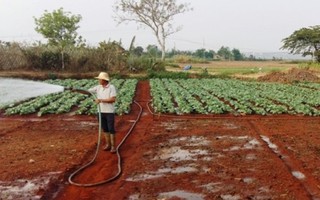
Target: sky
point(247, 25)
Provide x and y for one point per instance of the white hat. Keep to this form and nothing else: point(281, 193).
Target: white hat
point(103, 76)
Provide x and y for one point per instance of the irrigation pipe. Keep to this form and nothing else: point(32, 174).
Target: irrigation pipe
point(97, 150)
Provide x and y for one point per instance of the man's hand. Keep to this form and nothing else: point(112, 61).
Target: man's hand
point(69, 88)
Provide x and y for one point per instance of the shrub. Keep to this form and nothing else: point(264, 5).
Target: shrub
point(32, 58)
point(165, 74)
point(11, 56)
point(52, 60)
point(188, 59)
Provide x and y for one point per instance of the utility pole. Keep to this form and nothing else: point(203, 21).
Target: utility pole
point(203, 45)
point(313, 57)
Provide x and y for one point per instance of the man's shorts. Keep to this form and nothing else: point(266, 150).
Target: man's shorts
point(107, 122)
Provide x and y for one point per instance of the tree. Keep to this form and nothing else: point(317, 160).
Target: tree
point(200, 53)
point(155, 14)
point(237, 54)
point(225, 53)
point(138, 51)
point(210, 54)
point(305, 41)
point(153, 50)
point(60, 28)
point(110, 54)
point(204, 54)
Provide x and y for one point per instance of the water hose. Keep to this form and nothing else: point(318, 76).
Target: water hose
point(97, 150)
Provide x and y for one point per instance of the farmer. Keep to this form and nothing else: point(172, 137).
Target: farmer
point(106, 96)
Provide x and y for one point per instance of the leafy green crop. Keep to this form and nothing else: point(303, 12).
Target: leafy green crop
point(64, 102)
point(233, 96)
point(185, 96)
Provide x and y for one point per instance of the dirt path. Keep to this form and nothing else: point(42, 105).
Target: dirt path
point(106, 165)
point(168, 157)
point(220, 158)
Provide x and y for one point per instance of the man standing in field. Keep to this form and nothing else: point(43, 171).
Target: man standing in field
point(106, 97)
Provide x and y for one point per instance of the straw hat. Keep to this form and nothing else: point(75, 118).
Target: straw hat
point(103, 76)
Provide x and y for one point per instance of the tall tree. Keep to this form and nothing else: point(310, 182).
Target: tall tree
point(305, 41)
point(225, 53)
point(200, 53)
point(138, 51)
point(237, 55)
point(203, 53)
point(155, 14)
point(210, 54)
point(60, 28)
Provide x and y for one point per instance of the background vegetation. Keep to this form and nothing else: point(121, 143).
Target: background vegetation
point(109, 56)
point(66, 51)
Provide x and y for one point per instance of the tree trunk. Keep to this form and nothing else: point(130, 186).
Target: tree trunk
point(62, 59)
point(163, 53)
point(162, 42)
point(163, 48)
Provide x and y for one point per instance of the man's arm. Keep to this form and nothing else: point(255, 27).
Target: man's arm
point(80, 91)
point(108, 100)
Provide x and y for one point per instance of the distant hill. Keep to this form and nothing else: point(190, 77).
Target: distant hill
point(277, 55)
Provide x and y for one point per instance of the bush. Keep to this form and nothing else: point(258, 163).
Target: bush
point(139, 64)
point(309, 65)
point(52, 60)
point(32, 58)
point(11, 56)
point(165, 74)
point(204, 73)
point(173, 65)
point(188, 59)
point(158, 66)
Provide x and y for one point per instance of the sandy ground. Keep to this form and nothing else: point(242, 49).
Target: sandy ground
point(163, 157)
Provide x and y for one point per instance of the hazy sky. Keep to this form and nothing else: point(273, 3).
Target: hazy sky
point(248, 25)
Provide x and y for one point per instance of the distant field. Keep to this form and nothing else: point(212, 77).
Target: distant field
point(246, 64)
point(238, 67)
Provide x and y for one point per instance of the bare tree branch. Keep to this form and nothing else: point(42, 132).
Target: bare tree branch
point(155, 14)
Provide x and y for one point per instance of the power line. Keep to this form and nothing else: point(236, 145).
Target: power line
point(185, 40)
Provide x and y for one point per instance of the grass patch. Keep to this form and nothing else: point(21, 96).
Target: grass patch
point(310, 65)
point(230, 68)
point(167, 74)
point(246, 71)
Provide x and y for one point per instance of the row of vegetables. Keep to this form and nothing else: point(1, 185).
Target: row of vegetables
point(215, 96)
point(66, 101)
point(185, 96)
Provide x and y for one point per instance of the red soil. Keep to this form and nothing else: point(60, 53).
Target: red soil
point(292, 75)
point(166, 157)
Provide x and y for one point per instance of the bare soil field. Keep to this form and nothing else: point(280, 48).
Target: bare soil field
point(164, 157)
